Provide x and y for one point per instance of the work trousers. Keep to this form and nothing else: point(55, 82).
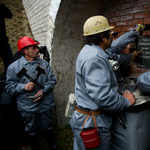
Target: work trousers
point(34, 121)
point(8, 129)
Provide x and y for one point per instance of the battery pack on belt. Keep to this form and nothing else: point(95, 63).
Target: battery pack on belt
point(90, 137)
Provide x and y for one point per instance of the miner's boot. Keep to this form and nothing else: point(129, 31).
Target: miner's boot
point(51, 143)
point(34, 142)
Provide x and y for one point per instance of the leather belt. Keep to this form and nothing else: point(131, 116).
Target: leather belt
point(88, 112)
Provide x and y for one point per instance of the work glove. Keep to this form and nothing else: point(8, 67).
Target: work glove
point(140, 28)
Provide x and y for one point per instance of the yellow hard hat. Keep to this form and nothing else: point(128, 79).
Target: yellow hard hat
point(96, 24)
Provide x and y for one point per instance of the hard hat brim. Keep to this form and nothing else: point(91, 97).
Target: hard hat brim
point(36, 44)
point(110, 27)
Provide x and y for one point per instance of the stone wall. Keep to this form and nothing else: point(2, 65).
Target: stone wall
point(16, 27)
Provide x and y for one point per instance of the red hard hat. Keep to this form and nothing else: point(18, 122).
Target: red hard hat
point(25, 41)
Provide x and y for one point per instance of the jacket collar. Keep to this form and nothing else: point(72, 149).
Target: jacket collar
point(101, 51)
point(25, 62)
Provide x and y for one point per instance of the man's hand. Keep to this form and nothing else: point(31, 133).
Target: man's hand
point(130, 97)
point(136, 53)
point(39, 92)
point(29, 86)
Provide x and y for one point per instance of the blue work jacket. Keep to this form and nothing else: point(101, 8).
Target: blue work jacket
point(143, 82)
point(96, 88)
point(16, 85)
point(117, 46)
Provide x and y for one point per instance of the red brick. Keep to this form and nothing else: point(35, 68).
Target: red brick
point(128, 28)
point(141, 15)
point(121, 33)
point(112, 14)
point(137, 74)
point(145, 70)
point(122, 12)
point(146, 33)
point(136, 69)
point(146, 8)
point(133, 45)
point(120, 1)
point(130, 0)
point(125, 51)
point(115, 19)
point(135, 9)
point(147, 21)
point(127, 17)
point(118, 29)
point(127, 5)
point(135, 22)
point(131, 74)
point(122, 23)
point(112, 9)
point(128, 46)
point(112, 24)
point(106, 15)
point(141, 2)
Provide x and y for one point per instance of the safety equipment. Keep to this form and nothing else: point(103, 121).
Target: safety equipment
point(90, 137)
point(140, 28)
point(96, 24)
point(25, 41)
point(114, 64)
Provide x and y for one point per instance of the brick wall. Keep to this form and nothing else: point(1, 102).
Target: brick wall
point(124, 15)
point(37, 14)
point(41, 16)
